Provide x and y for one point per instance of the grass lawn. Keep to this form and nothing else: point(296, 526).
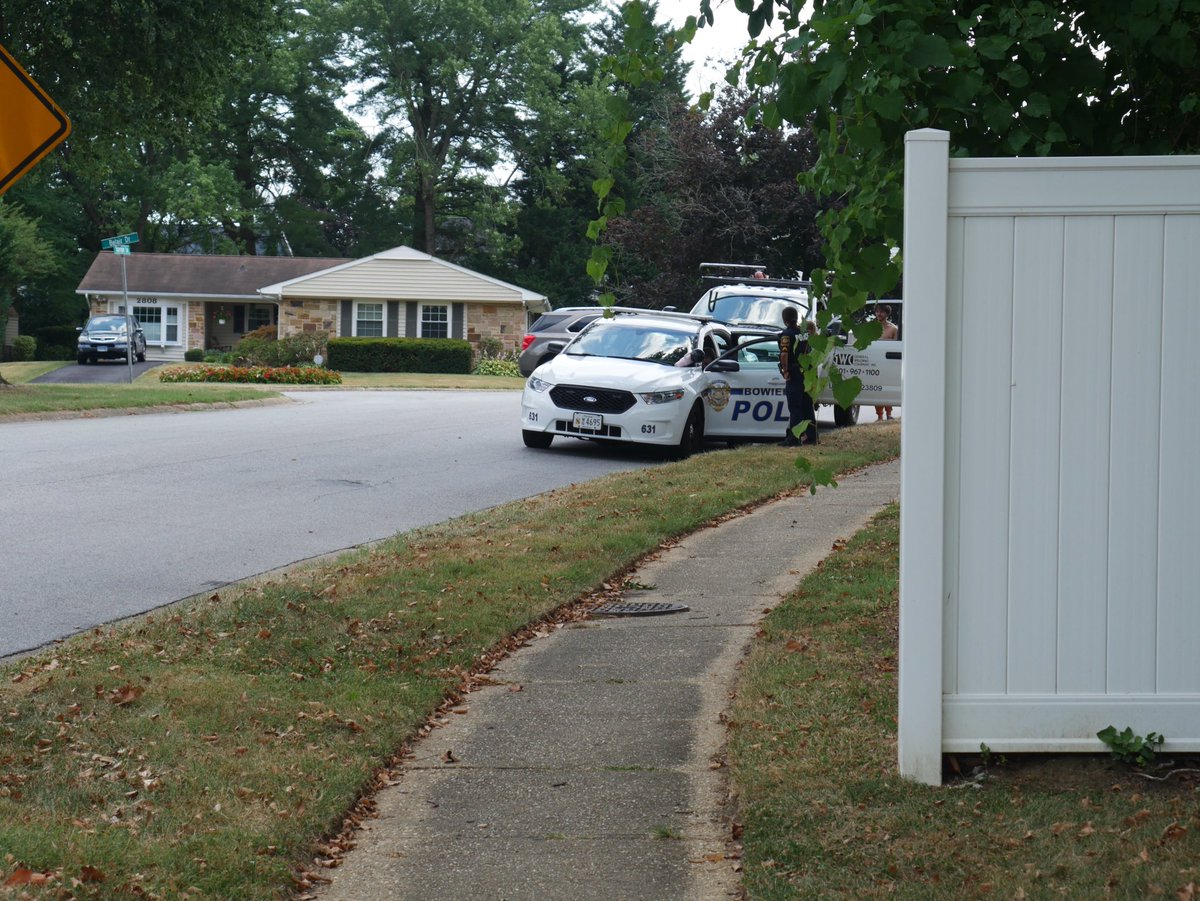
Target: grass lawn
point(825, 814)
point(19, 373)
point(208, 748)
point(35, 399)
point(147, 391)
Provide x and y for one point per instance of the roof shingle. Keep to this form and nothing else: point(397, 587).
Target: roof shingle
point(197, 274)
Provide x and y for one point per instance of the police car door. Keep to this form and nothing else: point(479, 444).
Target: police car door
point(744, 399)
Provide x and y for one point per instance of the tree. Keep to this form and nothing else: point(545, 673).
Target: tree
point(131, 89)
point(455, 80)
point(1042, 77)
point(24, 256)
point(712, 187)
point(557, 162)
point(304, 172)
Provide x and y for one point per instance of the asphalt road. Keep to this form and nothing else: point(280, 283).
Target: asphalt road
point(108, 517)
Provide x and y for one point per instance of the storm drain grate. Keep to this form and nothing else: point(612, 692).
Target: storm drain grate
point(639, 609)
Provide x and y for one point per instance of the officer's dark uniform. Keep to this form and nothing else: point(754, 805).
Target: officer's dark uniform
point(793, 343)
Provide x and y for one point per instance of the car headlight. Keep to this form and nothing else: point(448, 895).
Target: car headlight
point(662, 397)
point(538, 385)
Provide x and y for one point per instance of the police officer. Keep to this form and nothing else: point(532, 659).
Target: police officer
point(792, 343)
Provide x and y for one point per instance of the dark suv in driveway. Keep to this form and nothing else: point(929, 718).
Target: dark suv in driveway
point(105, 338)
point(555, 327)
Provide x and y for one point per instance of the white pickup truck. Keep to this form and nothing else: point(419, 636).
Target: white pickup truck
point(751, 300)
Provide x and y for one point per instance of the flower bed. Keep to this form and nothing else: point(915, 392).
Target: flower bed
point(263, 375)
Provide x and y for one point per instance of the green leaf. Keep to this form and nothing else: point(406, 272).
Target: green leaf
point(889, 105)
point(1055, 133)
point(845, 390)
point(601, 187)
point(930, 51)
point(595, 227)
point(815, 476)
point(1037, 105)
point(865, 134)
point(1016, 75)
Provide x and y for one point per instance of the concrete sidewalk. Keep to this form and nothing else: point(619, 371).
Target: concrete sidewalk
point(587, 771)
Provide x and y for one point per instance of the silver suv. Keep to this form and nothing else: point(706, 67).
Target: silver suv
point(106, 337)
point(551, 332)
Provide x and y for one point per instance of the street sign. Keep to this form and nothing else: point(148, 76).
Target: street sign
point(118, 241)
point(121, 248)
point(31, 125)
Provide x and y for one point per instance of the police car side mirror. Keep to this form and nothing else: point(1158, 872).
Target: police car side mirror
point(724, 366)
point(554, 348)
point(668, 309)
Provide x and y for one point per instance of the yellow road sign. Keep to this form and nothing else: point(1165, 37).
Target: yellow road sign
point(31, 125)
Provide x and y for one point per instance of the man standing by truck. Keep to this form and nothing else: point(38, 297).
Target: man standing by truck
point(792, 343)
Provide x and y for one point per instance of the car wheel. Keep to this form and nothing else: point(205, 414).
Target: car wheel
point(141, 357)
point(845, 416)
point(692, 439)
point(539, 440)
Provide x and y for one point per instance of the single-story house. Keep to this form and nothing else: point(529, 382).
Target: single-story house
point(195, 301)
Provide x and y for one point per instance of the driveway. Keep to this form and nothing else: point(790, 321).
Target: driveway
point(107, 373)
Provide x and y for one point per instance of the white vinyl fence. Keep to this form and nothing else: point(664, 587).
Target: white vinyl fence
point(1050, 503)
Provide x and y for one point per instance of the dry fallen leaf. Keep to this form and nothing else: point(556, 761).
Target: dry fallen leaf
point(1174, 831)
point(126, 694)
point(91, 874)
point(449, 757)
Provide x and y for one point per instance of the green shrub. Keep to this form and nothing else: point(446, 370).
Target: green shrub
point(194, 355)
point(263, 375)
point(55, 352)
point(57, 336)
point(490, 348)
point(488, 366)
point(399, 355)
point(23, 348)
point(292, 350)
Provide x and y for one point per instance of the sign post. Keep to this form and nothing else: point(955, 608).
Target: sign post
point(33, 124)
point(120, 246)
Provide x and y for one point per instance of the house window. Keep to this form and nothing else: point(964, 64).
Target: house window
point(435, 321)
point(259, 315)
point(368, 320)
point(160, 324)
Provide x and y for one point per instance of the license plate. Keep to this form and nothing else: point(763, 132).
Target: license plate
point(101, 350)
point(590, 421)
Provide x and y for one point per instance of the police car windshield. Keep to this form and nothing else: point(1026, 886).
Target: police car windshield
point(747, 308)
point(628, 341)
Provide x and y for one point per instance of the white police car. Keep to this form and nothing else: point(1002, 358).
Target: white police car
point(667, 379)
